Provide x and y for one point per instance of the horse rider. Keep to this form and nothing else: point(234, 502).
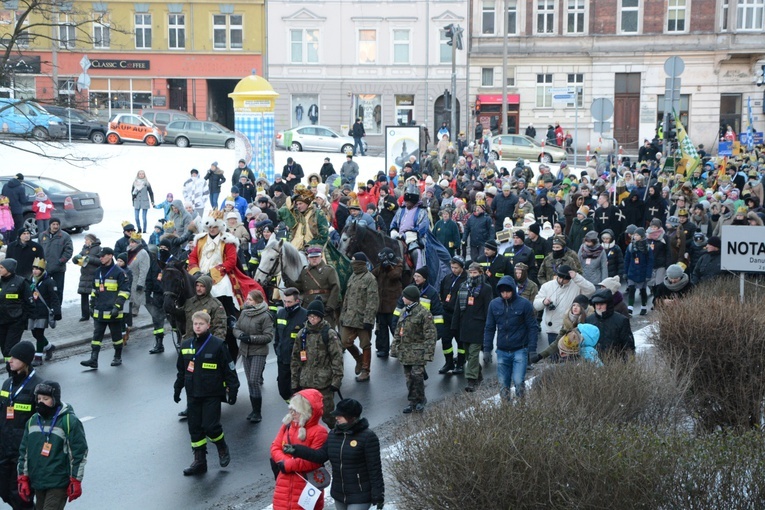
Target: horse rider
point(411, 225)
point(307, 224)
point(318, 279)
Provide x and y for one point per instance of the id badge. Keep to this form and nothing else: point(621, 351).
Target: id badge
point(101, 288)
point(190, 368)
point(303, 356)
point(637, 260)
point(9, 412)
point(448, 298)
point(46, 449)
point(471, 300)
point(401, 332)
point(589, 261)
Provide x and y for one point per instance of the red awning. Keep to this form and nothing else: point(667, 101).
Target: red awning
point(497, 98)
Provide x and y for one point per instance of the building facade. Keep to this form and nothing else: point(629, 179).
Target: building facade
point(185, 56)
point(617, 49)
point(386, 62)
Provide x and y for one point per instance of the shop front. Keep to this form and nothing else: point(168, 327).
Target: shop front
point(488, 109)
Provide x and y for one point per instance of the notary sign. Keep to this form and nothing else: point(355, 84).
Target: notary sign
point(743, 249)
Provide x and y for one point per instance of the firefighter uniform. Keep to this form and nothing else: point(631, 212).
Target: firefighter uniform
point(16, 307)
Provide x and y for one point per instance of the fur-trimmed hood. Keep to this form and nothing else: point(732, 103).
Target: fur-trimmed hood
point(228, 238)
point(309, 405)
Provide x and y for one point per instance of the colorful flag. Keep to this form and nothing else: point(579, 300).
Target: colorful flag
point(687, 149)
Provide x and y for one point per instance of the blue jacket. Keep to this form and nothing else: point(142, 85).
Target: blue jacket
point(590, 337)
point(638, 265)
point(240, 204)
point(513, 319)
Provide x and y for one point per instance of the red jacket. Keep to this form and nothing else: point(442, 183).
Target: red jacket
point(48, 209)
point(289, 485)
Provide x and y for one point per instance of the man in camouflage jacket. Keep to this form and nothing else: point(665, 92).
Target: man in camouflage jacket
point(358, 315)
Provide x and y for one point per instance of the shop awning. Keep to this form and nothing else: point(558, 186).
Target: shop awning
point(497, 98)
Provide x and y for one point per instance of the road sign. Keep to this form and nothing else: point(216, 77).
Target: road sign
point(674, 66)
point(563, 97)
point(742, 249)
point(602, 109)
point(602, 127)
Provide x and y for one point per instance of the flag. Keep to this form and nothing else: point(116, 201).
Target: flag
point(687, 149)
point(750, 126)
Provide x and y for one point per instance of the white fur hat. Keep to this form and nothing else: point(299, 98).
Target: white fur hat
point(303, 407)
point(214, 218)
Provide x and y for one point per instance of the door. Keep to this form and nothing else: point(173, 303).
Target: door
point(308, 138)
point(196, 133)
point(730, 113)
point(326, 140)
point(440, 114)
point(80, 128)
point(213, 135)
point(178, 95)
point(627, 109)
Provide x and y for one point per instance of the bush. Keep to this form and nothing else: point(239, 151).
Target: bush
point(717, 343)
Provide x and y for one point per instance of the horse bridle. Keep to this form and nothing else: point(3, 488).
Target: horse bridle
point(272, 272)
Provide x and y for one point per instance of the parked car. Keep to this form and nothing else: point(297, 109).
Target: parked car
point(27, 118)
point(133, 128)
point(315, 138)
point(78, 210)
point(185, 133)
point(83, 124)
point(161, 117)
point(522, 146)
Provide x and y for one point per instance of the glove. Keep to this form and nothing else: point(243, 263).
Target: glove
point(139, 288)
point(231, 398)
point(25, 490)
point(231, 322)
point(75, 489)
point(534, 358)
point(333, 388)
point(288, 449)
point(368, 326)
point(57, 316)
point(115, 312)
point(487, 357)
point(177, 396)
point(244, 337)
point(280, 466)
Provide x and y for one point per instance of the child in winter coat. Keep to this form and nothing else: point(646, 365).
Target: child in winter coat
point(613, 253)
point(6, 219)
point(165, 206)
point(156, 236)
point(638, 265)
point(42, 207)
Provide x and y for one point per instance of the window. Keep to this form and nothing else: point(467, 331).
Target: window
point(304, 46)
point(227, 31)
point(749, 14)
point(487, 77)
point(575, 82)
point(545, 16)
point(512, 17)
point(544, 90)
point(445, 51)
point(487, 17)
point(143, 31)
point(510, 75)
point(305, 108)
point(724, 16)
point(401, 46)
point(101, 33)
point(682, 112)
point(629, 16)
point(368, 46)
point(176, 24)
point(368, 108)
point(676, 12)
point(66, 32)
point(575, 17)
point(405, 110)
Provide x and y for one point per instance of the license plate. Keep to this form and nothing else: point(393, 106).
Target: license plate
point(88, 201)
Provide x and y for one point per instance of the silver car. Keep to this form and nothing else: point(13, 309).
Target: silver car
point(185, 133)
point(315, 138)
point(520, 146)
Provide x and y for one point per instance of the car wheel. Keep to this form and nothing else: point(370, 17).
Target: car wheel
point(182, 141)
point(545, 158)
point(40, 133)
point(97, 137)
point(31, 225)
point(113, 138)
point(495, 154)
point(295, 147)
point(151, 141)
point(74, 230)
point(347, 149)
point(231, 144)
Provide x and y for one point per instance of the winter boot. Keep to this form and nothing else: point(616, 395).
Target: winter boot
point(158, 347)
point(199, 466)
point(459, 367)
point(366, 361)
point(117, 361)
point(38, 359)
point(223, 454)
point(254, 416)
point(48, 350)
point(448, 365)
point(357, 356)
point(471, 386)
point(93, 361)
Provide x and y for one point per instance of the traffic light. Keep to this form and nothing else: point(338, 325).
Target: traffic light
point(671, 133)
point(477, 106)
point(449, 33)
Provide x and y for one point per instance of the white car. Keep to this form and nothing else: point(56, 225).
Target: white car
point(315, 138)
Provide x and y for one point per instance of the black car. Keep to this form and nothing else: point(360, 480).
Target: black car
point(83, 124)
point(76, 209)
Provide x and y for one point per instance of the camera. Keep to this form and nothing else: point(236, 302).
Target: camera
point(551, 307)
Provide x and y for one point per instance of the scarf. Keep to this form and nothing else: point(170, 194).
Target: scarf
point(557, 254)
point(139, 184)
point(359, 266)
point(591, 252)
point(471, 287)
point(675, 287)
point(608, 246)
point(655, 233)
point(640, 246)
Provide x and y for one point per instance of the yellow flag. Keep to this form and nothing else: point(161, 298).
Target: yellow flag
point(687, 149)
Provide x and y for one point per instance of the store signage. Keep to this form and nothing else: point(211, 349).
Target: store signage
point(119, 64)
point(742, 249)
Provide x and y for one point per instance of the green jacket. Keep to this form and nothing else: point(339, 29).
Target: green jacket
point(324, 362)
point(361, 301)
point(415, 338)
point(68, 454)
point(448, 234)
point(547, 270)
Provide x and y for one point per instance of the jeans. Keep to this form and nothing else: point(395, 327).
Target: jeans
point(214, 199)
point(42, 226)
point(358, 143)
point(138, 221)
point(511, 369)
point(352, 506)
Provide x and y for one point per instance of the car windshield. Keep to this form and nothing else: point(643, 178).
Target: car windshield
point(50, 186)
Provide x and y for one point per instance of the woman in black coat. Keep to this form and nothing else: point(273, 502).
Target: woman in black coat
point(46, 306)
point(89, 262)
point(354, 452)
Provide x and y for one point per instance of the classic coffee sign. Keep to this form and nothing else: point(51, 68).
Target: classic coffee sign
point(119, 64)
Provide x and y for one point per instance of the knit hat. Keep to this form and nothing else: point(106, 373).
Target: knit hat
point(534, 227)
point(24, 351)
point(591, 236)
point(742, 210)
point(640, 232)
point(491, 244)
point(568, 345)
point(9, 265)
point(656, 222)
point(234, 189)
point(359, 256)
point(412, 293)
point(423, 271)
point(458, 260)
point(583, 301)
point(51, 389)
point(123, 257)
point(613, 284)
point(347, 408)
point(673, 221)
point(675, 271)
point(316, 308)
point(475, 266)
point(630, 229)
point(584, 211)
point(715, 241)
point(520, 234)
point(563, 271)
point(54, 220)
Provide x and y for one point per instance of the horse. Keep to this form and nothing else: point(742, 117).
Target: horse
point(370, 242)
point(177, 286)
point(279, 257)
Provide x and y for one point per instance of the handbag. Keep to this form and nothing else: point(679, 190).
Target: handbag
point(319, 478)
point(51, 315)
